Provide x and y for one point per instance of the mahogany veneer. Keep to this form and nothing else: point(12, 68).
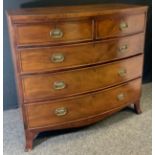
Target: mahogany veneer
point(84, 80)
point(39, 59)
point(76, 65)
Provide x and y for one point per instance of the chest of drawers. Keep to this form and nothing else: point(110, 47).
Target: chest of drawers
point(76, 65)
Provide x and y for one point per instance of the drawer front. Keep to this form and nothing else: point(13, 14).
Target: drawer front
point(39, 87)
point(113, 26)
point(57, 58)
point(60, 32)
point(73, 109)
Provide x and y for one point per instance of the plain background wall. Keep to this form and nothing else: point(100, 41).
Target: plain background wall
point(9, 95)
point(9, 88)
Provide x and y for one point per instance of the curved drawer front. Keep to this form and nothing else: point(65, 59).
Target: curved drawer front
point(57, 58)
point(39, 87)
point(73, 109)
point(119, 25)
point(51, 33)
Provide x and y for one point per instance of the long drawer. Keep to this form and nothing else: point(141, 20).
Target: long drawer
point(64, 57)
point(63, 84)
point(63, 111)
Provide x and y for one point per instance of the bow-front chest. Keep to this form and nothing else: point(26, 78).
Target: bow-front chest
point(76, 65)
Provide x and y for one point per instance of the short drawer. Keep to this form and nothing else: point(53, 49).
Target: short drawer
point(64, 57)
point(69, 83)
point(73, 109)
point(119, 25)
point(53, 33)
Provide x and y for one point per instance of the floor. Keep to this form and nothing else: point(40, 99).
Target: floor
point(124, 133)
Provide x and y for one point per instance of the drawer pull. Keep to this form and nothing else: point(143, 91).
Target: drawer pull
point(62, 111)
point(58, 57)
point(121, 96)
point(56, 33)
point(123, 25)
point(59, 85)
point(122, 72)
point(123, 48)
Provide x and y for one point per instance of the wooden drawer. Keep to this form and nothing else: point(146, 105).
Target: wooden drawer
point(64, 57)
point(39, 87)
point(59, 32)
point(82, 107)
point(119, 25)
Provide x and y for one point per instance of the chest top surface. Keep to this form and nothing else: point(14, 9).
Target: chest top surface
point(60, 12)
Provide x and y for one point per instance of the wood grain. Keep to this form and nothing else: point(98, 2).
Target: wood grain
point(40, 87)
point(109, 26)
point(35, 15)
point(39, 34)
point(42, 114)
point(34, 60)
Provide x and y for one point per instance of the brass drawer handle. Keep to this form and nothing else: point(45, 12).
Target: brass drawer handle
point(58, 85)
point(122, 72)
point(123, 25)
point(62, 111)
point(123, 48)
point(121, 97)
point(56, 33)
point(58, 57)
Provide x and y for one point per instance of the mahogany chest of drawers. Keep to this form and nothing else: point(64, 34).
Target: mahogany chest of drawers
point(75, 65)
